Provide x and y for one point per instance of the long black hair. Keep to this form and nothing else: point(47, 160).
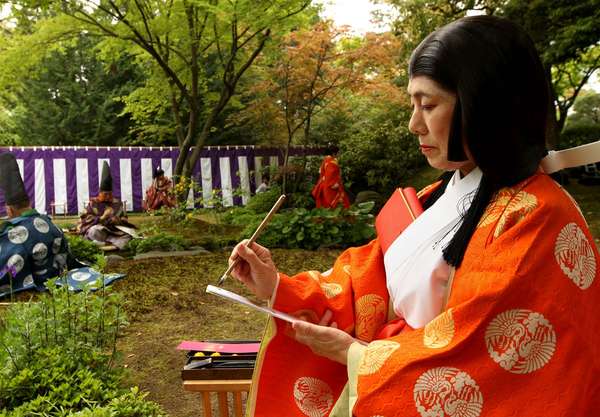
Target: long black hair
point(501, 109)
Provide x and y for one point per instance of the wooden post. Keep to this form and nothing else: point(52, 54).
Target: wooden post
point(206, 404)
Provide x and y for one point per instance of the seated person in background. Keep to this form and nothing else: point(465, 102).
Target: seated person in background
point(264, 185)
point(329, 190)
point(160, 193)
point(32, 248)
point(104, 221)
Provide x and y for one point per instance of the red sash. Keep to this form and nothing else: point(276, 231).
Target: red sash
point(400, 210)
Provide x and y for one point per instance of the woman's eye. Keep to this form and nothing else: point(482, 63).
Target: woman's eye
point(428, 107)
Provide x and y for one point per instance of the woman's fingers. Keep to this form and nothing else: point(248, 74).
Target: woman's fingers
point(235, 252)
point(258, 273)
point(307, 330)
point(303, 331)
point(329, 342)
point(261, 251)
point(326, 318)
point(250, 257)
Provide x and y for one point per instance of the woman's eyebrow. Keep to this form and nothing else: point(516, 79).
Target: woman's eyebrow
point(419, 94)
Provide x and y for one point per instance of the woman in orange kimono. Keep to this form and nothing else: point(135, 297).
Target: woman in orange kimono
point(329, 190)
point(487, 304)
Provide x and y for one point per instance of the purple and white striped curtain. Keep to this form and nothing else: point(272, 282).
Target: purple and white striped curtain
point(64, 178)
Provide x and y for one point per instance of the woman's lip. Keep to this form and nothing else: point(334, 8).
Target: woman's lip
point(426, 149)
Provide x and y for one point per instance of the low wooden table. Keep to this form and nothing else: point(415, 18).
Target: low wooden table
point(220, 388)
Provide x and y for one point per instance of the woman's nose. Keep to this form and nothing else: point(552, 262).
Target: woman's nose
point(416, 125)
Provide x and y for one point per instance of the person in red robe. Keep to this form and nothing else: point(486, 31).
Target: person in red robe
point(487, 304)
point(160, 193)
point(329, 190)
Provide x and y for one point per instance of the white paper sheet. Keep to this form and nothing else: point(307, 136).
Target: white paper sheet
point(211, 289)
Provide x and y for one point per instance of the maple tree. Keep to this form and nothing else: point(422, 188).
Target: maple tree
point(316, 69)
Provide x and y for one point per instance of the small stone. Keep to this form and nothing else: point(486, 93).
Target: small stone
point(113, 259)
point(162, 254)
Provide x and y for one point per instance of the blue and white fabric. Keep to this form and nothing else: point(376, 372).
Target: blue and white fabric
point(32, 250)
point(86, 277)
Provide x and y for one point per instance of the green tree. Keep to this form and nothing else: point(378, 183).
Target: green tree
point(566, 34)
point(8, 137)
point(71, 100)
point(586, 110)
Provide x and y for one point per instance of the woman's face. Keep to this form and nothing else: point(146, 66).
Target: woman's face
point(430, 121)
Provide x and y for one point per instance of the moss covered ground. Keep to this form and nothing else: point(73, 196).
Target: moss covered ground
point(168, 304)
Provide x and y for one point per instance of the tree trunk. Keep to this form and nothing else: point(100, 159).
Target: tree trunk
point(307, 130)
point(208, 123)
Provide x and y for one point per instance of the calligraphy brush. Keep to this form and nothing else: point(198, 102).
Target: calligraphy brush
point(254, 236)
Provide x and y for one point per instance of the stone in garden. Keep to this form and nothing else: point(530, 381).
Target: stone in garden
point(113, 260)
point(195, 250)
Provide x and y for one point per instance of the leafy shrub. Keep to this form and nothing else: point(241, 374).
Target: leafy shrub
point(301, 200)
point(212, 242)
point(59, 358)
point(179, 216)
point(84, 250)
point(60, 381)
point(378, 152)
point(130, 404)
point(378, 159)
point(234, 214)
point(160, 242)
point(262, 202)
point(310, 229)
point(579, 135)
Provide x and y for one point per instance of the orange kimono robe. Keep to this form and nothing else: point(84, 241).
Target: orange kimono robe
point(518, 337)
point(160, 194)
point(329, 190)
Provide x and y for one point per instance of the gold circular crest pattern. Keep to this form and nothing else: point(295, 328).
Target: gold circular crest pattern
point(315, 275)
point(331, 289)
point(313, 396)
point(346, 269)
point(446, 391)
point(438, 333)
point(376, 354)
point(520, 341)
point(575, 256)
point(508, 208)
point(370, 315)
